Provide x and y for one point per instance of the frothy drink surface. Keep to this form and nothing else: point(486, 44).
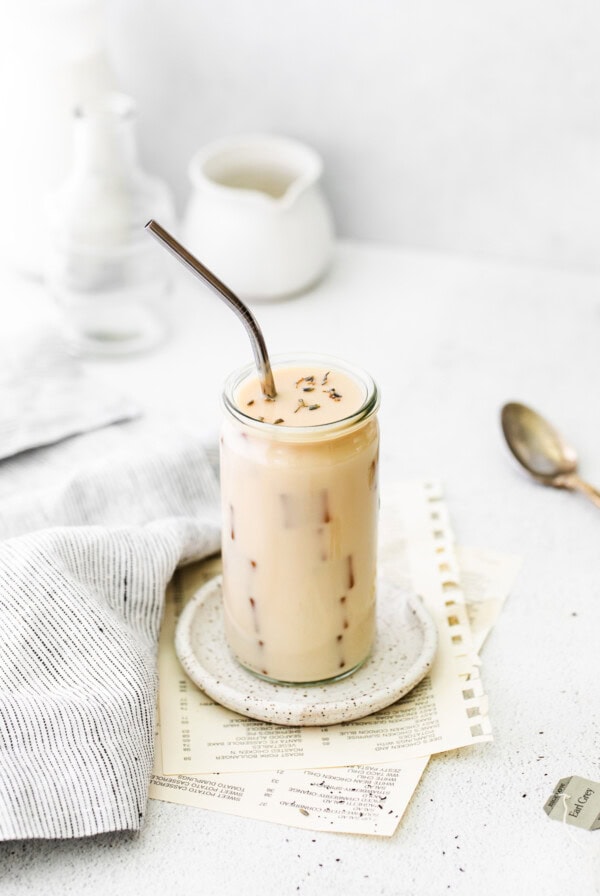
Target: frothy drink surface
point(299, 527)
point(306, 396)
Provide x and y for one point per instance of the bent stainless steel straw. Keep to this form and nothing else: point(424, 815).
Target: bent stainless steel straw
point(259, 347)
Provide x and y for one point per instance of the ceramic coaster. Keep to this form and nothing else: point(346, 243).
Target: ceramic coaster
point(402, 655)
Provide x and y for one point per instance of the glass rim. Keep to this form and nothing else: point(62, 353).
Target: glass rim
point(281, 431)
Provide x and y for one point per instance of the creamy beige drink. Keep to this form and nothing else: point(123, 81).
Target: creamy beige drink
point(306, 396)
point(299, 493)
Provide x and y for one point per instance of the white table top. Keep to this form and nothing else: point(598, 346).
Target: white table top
point(449, 340)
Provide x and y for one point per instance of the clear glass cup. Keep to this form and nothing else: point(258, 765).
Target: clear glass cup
point(112, 300)
point(299, 538)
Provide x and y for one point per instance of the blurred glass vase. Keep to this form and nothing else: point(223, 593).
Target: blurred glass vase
point(108, 278)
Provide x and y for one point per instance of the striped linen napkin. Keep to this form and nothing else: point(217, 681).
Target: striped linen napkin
point(91, 530)
point(46, 394)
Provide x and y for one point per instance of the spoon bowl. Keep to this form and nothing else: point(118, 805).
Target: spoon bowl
point(542, 451)
point(535, 443)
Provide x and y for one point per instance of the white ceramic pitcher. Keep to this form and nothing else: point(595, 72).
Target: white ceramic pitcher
point(257, 216)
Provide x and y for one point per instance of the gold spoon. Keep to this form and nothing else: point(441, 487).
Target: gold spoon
point(542, 451)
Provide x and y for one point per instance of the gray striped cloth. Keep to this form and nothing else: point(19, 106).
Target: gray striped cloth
point(91, 528)
point(46, 394)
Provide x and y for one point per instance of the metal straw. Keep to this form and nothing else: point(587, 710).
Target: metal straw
point(243, 312)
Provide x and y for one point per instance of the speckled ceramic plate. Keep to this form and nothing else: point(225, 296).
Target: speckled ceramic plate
point(402, 655)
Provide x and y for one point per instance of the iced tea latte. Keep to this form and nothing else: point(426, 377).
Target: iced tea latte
point(300, 501)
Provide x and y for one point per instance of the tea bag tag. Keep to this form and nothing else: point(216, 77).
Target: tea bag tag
point(575, 801)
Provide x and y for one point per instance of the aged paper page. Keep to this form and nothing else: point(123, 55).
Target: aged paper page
point(347, 800)
point(417, 549)
point(486, 578)
point(354, 800)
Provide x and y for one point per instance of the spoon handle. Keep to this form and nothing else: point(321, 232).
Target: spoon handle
point(574, 482)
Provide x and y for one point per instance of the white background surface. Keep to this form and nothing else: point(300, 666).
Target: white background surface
point(469, 125)
point(449, 340)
